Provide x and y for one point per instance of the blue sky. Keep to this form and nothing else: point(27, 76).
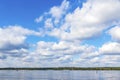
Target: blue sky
point(54, 33)
point(23, 12)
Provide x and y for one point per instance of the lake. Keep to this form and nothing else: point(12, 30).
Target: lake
point(59, 75)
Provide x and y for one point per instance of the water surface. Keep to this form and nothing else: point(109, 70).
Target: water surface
point(58, 75)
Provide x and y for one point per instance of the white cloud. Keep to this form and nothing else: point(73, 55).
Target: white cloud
point(37, 20)
point(62, 53)
point(54, 16)
point(12, 40)
point(111, 48)
point(86, 22)
point(61, 48)
point(115, 33)
point(14, 35)
point(89, 21)
point(94, 60)
point(110, 59)
point(107, 55)
point(2, 56)
point(48, 24)
point(17, 52)
point(58, 11)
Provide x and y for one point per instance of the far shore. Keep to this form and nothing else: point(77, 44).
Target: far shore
point(64, 68)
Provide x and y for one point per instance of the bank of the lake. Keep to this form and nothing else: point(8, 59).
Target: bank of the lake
point(65, 68)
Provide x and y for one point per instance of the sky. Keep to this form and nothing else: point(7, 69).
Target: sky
point(59, 33)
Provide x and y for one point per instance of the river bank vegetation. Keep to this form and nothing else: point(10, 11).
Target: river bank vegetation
point(65, 68)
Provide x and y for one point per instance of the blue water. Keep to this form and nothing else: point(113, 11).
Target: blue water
point(58, 75)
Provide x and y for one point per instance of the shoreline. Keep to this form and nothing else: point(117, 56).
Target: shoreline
point(64, 68)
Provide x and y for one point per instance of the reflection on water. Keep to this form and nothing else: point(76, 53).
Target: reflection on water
point(58, 75)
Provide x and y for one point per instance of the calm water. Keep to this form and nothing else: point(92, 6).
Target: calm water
point(59, 75)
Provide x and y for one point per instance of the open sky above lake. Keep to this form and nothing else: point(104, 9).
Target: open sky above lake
point(55, 33)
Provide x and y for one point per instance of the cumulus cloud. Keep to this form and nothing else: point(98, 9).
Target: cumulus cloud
point(2, 56)
point(61, 48)
point(115, 33)
point(48, 24)
point(88, 21)
point(12, 40)
point(58, 11)
point(111, 48)
point(72, 27)
point(39, 19)
point(54, 16)
point(62, 53)
point(14, 35)
point(106, 55)
point(110, 59)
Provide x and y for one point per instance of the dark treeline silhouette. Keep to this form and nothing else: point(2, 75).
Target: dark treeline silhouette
point(65, 68)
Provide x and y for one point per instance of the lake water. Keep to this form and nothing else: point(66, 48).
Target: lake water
point(58, 75)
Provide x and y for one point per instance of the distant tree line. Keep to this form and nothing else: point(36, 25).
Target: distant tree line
point(65, 68)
